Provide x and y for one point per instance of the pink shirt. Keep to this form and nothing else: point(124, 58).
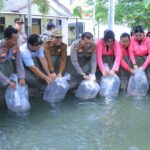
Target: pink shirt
point(124, 52)
point(140, 49)
point(114, 50)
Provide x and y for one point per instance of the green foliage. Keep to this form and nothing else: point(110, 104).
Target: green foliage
point(78, 12)
point(1, 4)
point(147, 3)
point(132, 13)
point(129, 12)
point(43, 6)
point(101, 11)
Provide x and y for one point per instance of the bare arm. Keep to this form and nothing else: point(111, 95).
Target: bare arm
point(44, 65)
point(40, 74)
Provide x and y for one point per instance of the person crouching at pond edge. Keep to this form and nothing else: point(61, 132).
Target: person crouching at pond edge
point(33, 48)
point(56, 54)
point(108, 47)
point(83, 56)
point(139, 47)
point(124, 46)
point(9, 53)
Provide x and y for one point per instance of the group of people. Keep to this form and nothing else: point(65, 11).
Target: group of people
point(85, 54)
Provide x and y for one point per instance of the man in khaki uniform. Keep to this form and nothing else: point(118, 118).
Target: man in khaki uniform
point(56, 54)
point(83, 59)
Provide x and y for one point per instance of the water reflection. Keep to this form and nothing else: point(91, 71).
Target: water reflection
point(100, 124)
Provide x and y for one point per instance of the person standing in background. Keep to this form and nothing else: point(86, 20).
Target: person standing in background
point(47, 34)
point(18, 25)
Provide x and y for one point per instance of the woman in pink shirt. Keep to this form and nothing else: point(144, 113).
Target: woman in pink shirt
point(139, 46)
point(125, 61)
point(107, 47)
point(124, 45)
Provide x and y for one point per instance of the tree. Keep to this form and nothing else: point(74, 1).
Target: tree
point(43, 6)
point(1, 4)
point(101, 11)
point(77, 11)
point(132, 13)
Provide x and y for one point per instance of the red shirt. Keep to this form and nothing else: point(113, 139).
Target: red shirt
point(140, 49)
point(114, 50)
point(124, 52)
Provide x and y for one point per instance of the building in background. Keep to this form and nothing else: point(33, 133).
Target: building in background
point(58, 14)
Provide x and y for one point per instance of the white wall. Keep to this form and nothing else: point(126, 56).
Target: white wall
point(65, 30)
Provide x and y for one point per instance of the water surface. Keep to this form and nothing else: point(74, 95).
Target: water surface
point(99, 124)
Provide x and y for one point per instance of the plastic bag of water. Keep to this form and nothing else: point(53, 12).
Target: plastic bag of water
point(17, 100)
point(57, 90)
point(109, 86)
point(88, 89)
point(138, 84)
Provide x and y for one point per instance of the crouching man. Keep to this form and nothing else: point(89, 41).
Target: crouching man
point(33, 48)
point(83, 58)
point(56, 54)
point(9, 53)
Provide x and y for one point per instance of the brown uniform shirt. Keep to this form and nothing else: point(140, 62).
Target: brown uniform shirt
point(51, 50)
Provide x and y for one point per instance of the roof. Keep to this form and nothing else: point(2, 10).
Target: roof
point(62, 6)
point(23, 4)
point(10, 7)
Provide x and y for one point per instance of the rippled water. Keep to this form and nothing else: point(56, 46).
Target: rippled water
point(100, 124)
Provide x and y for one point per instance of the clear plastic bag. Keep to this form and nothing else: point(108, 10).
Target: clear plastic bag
point(138, 84)
point(88, 89)
point(57, 90)
point(17, 100)
point(109, 86)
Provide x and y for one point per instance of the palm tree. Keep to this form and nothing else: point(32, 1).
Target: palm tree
point(43, 6)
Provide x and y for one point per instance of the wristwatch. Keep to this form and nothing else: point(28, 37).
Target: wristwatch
point(82, 74)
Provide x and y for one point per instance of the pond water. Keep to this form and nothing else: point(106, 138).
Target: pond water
point(99, 124)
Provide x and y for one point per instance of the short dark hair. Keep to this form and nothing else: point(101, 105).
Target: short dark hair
point(138, 29)
point(148, 33)
point(18, 20)
point(125, 35)
point(105, 31)
point(9, 31)
point(50, 26)
point(88, 35)
point(35, 39)
point(109, 35)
